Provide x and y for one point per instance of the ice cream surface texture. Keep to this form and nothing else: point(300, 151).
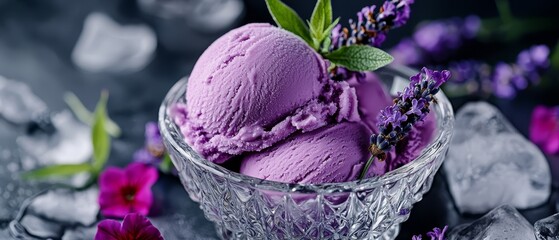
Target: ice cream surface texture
point(256, 86)
point(331, 154)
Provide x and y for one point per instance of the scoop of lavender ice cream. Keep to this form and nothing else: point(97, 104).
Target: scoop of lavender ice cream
point(330, 154)
point(254, 87)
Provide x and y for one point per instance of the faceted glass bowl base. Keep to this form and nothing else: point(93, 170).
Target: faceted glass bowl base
point(243, 207)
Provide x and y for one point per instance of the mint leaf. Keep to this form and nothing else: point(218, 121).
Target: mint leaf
point(288, 19)
point(58, 170)
point(320, 19)
point(99, 136)
point(84, 115)
point(360, 58)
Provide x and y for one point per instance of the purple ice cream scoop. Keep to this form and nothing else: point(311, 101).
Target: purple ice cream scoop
point(372, 97)
point(333, 153)
point(256, 86)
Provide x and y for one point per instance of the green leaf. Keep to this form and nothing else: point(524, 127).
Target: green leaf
point(58, 170)
point(328, 30)
point(99, 136)
point(86, 116)
point(320, 19)
point(166, 164)
point(360, 58)
point(288, 19)
point(555, 57)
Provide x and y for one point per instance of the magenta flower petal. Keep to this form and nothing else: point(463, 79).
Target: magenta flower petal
point(112, 177)
point(544, 128)
point(141, 175)
point(133, 227)
point(123, 191)
point(552, 146)
point(108, 230)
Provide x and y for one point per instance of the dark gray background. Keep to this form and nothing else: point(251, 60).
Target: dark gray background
point(37, 37)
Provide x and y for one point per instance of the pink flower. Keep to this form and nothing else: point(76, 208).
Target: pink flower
point(123, 191)
point(544, 128)
point(133, 227)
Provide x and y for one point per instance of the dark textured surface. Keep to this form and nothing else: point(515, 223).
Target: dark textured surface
point(37, 37)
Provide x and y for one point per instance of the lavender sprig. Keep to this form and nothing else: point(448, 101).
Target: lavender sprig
point(410, 107)
point(371, 26)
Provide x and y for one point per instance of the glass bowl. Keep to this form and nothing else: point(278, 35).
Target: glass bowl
point(244, 207)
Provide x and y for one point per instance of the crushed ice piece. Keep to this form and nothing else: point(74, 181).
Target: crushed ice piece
point(489, 163)
point(548, 228)
point(70, 144)
point(501, 223)
point(18, 104)
point(106, 46)
point(51, 213)
point(203, 15)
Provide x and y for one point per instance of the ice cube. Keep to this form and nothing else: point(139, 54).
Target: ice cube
point(51, 213)
point(80, 233)
point(202, 15)
point(13, 189)
point(489, 163)
point(548, 228)
point(17, 103)
point(501, 223)
point(106, 46)
point(70, 144)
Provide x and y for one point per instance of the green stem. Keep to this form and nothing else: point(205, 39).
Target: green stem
point(505, 12)
point(366, 168)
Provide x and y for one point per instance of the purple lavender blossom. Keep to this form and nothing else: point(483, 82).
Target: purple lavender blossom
point(533, 61)
point(153, 151)
point(371, 26)
point(411, 106)
point(436, 234)
point(508, 79)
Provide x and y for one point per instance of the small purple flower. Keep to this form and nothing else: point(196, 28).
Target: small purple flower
point(437, 233)
point(154, 142)
point(146, 157)
point(134, 226)
point(124, 191)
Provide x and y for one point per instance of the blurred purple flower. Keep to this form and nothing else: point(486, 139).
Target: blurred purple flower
point(154, 142)
point(406, 52)
point(134, 226)
point(436, 40)
point(146, 157)
point(128, 190)
point(544, 128)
